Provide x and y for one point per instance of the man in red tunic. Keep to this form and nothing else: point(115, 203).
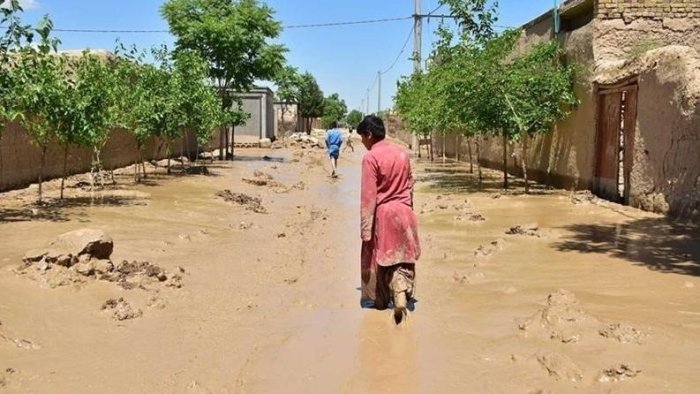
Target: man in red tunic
point(389, 229)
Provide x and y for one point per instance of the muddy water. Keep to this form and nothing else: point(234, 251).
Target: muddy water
point(270, 302)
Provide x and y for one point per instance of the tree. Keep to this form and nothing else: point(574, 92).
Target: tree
point(354, 118)
point(539, 92)
point(288, 83)
point(334, 109)
point(310, 100)
point(39, 90)
point(15, 34)
point(233, 36)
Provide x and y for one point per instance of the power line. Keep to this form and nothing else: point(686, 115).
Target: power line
point(400, 53)
point(302, 26)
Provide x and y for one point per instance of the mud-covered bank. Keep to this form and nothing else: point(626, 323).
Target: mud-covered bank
point(546, 292)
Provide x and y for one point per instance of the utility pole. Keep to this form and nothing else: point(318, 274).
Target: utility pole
point(367, 102)
point(417, 43)
point(417, 36)
point(379, 92)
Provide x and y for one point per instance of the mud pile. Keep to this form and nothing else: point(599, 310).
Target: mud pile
point(121, 310)
point(250, 203)
point(81, 255)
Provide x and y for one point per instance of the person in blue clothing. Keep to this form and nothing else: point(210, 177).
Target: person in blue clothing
point(334, 139)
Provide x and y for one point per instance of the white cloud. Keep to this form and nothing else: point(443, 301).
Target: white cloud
point(29, 4)
point(25, 4)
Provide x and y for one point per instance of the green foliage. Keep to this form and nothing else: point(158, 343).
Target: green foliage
point(234, 38)
point(311, 98)
point(334, 109)
point(354, 118)
point(288, 83)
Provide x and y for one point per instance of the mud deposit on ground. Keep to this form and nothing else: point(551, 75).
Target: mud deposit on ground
point(198, 292)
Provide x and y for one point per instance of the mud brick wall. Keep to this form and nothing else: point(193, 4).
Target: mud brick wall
point(629, 10)
point(20, 160)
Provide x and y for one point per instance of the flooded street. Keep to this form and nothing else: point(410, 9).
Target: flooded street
point(547, 292)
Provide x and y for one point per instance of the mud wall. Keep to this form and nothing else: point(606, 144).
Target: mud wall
point(628, 28)
point(665, 174)
point(21, 160)
point(564, 157)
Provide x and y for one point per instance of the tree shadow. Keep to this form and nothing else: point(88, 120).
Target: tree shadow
point(55, 210)
point(657, 243)
point(457, 179)
point(267, 158)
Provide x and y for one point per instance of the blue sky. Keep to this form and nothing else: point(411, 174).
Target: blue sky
point(344, 59)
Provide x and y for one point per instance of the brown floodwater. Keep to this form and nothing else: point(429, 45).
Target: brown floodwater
point(585, 297)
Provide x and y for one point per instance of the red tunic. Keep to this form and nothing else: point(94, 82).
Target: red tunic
point(389, 228)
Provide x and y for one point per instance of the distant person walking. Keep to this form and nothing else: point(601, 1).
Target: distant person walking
point(389, 228)
point(334, 139)
point(348, 143)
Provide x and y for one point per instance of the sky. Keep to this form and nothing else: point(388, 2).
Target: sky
point(344, 59)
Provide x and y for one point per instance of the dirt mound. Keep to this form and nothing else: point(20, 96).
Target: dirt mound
point(623, 333)
point(584, 197)
point(251, 203)
point(561, 319)
point(487, 250)
point(68, 248)
point(530, 230)
point(618, 373)
point(470, 217)
point(469, 278)
point(121, 309)
point(560, 367)
point(17, 342)
point(74, 258)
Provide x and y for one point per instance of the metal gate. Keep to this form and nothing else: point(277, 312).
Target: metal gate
point(617, 118)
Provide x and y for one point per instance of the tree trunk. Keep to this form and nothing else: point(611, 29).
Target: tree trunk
point(233, 139)
point(1, 159)
point(41, 170)
point(524, 163)
point(457, 146)
point(65, 164)
point(431, 148)
point(505, 160)
point(469, 150)
point(478, 160)
point(226, 142)
point(444, 147)
point(222, 130)
point(136, 163)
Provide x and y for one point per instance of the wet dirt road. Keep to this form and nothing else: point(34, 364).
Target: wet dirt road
point(593, 298)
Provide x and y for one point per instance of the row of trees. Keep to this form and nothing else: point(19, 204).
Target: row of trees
point(303, 89)
point(480, 83)
point(77, 100)
point(222, 47)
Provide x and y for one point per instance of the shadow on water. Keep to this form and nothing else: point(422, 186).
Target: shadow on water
point(458, 179)
point(54, 210)
point(267, 158)
point(657, 243)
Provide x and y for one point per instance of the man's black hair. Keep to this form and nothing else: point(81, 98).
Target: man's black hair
point(372, 124)
point(334, 125)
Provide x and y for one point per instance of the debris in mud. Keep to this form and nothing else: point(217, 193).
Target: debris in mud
point(121, 309)
point(185, 237)
point(487, 250)
point(470, 278)
point(18, 342)
point(92, 262)
point(282, 235)
point(245, 225)
point(560, 367)
point(619, 373)
point(531, 230)
point(623, 333)
point(584, 197)
point(316, 214)
point(561, 319)
point(471, 217)
point(68, 247)
point(156, 303)
point(251, 203)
